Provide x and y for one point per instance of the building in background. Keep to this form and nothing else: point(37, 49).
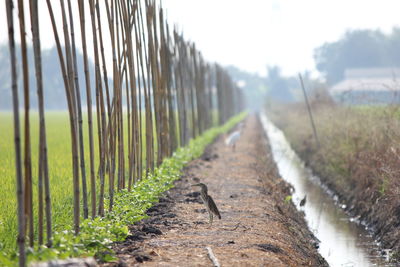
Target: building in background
point(368, 86)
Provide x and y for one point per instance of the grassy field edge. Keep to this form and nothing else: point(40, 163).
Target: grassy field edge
point(356, 159)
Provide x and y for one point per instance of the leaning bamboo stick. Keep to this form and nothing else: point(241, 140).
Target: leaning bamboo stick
point(100, 114)
point(43, 175)
point(89, 107)
point(73, 116)
point(125, 51)
point(71, 107)
point(131, 77)
point(79, 117)
point(309, 110)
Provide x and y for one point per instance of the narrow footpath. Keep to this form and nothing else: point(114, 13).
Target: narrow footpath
point(258, 227)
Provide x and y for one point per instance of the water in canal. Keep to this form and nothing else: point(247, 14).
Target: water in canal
point(343, 242)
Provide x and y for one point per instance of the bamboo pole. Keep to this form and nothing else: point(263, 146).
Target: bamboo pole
point(121, 142)
point(27, 145)
point(191, 86)
point(113, 119)
point(43, 175)
point(141, 85)
point(108, 136)
point(147, 92)
point(125, 28)
point(152, 78)
point(73, 115)
point(164, 79)
point(171, 93)
point(40, 192)
point(71, 105)
point(221, 115)
point(81, 4)
point(100, 114)
point(132, 145)
point(211, 75)
point(17, 136)
point(125, 50)
point(136, 100)
point(79, 117)
point(177, 86)
point(179, 76)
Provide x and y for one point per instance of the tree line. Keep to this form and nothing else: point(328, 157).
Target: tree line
point(53, 99)
point(358, 49)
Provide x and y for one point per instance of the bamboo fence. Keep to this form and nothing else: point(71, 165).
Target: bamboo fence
point(161, 87)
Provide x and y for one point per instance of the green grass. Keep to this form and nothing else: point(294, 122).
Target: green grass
point(96, 235)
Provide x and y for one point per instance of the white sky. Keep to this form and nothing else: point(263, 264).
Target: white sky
point(254, 33)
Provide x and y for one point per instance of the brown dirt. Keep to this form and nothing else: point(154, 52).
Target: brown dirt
point(258, 228)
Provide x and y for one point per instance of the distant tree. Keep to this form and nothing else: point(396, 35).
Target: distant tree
point(252, 84)
point(54, 95)
point(358, 49)
point(278, 86)
point(393, 46)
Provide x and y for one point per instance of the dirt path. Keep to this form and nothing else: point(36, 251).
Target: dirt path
point(258, 228)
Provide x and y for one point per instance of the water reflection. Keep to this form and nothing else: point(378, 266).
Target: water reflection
point(343, 242)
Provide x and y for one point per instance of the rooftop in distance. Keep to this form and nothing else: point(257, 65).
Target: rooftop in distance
point(368, 79)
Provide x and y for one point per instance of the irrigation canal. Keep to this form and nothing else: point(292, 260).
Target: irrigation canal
point(344, 243)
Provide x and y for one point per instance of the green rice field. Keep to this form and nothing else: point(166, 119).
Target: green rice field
point(60, 172)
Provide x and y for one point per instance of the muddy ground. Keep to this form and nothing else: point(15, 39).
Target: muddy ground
point(258, 227)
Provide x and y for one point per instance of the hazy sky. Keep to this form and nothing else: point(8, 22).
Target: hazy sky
point(253, 33)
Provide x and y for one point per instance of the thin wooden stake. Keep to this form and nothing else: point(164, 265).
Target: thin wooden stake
point(27, 135)
point(17, 135)
point(79, 117)
point(309, 110)
point(89, 107)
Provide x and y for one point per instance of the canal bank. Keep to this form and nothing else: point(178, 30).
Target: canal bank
point(345, 241)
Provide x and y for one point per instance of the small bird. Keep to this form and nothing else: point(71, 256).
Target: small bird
point(303, 201)
point(232, 139)
point(208, 202)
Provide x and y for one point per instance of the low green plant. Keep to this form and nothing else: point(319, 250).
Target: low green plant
point(97, 235)
point(288, 198)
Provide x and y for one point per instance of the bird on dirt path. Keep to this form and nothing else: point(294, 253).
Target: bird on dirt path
point(232, 138)
point(303, 201)
point(208, 202)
